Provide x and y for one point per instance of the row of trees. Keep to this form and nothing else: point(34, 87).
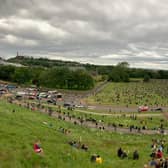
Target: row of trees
point(43, 62)
point(53, 77)
point(122, 73)
point(118, 73)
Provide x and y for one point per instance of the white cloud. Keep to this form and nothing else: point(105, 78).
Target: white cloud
point(89, 31)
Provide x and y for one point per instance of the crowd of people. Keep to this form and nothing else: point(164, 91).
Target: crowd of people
point(86, 120)
point(158, 160)
point(157, 148)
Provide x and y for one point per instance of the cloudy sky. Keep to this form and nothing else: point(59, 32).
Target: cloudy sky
point(93, 31)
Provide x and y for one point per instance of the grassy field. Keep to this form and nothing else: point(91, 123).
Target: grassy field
point(21, 129)
point(152, 93)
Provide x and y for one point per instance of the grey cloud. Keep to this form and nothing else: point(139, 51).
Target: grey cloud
point(102, 32)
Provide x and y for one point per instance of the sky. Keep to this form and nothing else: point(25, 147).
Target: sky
point(88, 31)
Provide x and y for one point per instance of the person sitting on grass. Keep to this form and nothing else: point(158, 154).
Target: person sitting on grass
point(75, 144)
point(146, 166)
point(99, 160)
point(93, 158)
point(122, 154)
point(84, 147)
point(159, 154)
point(96, 159)
point(135, 155)
point(37, 147)
point(119, 152)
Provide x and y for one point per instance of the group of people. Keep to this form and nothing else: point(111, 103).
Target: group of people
point(96, 159)
point(157, 163)
point(65, 131)
point(78, 145)
point(157, 157)
point(123, 154)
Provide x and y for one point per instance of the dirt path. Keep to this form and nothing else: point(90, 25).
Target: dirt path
point(92, 124)
point(109, 114)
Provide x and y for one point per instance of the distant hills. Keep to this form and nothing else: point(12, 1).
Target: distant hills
point(44, 62)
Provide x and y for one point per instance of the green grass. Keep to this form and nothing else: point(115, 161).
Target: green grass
point(133, 94)
point(21, 129)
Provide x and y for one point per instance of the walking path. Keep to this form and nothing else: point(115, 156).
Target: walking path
point(119, 114)
point(91, 124)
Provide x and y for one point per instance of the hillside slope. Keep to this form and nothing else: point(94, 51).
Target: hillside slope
point(20, 129)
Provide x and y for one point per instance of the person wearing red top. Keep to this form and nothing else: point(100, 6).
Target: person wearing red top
point(37, 147)
point(159, 154)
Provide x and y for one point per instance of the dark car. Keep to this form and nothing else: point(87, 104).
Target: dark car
point(67, 105)
point(51, 101)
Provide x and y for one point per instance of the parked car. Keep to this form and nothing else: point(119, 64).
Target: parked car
point(79, 106)
point(143, 108)
point(157, 109)
point(66, 105)
point(51, 101)
point(42, 95)
point(31, 97)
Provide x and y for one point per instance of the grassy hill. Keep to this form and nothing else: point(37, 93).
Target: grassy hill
point(21, 129)
point(44, 62)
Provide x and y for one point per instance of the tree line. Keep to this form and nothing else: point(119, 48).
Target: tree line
point(72, 75)
point(122, 73)
point(57, 77)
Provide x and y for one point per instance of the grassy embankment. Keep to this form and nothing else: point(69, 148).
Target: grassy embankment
point(20, 130)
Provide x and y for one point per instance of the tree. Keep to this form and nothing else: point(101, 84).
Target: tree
point(119, 74)
point(22, 75)
point(123, 64)
point(6, 72)
point(146, 78)
point(66, 79)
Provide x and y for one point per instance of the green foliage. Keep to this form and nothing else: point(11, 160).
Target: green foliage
point(6, 72)
point(42, 62)
point(146, 78)
point(66, 79)
point(119, 74)
point(93, 69)
point(62, 77)
point(22, 75)
point(123, 64)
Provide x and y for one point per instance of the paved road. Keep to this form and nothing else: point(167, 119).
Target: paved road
point(112, 108)
point(119, 114)
point(91, 124)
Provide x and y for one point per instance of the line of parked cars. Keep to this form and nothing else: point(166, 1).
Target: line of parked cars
point(33, 94)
